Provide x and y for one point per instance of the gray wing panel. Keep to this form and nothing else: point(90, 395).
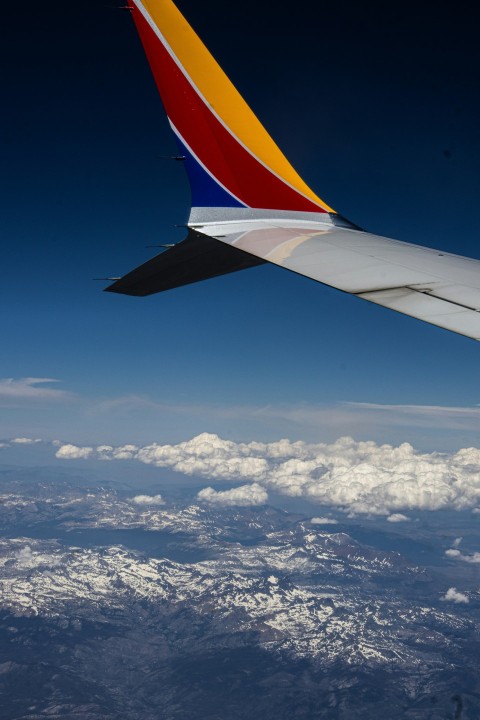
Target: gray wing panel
point(429, 308)
point(439, 288)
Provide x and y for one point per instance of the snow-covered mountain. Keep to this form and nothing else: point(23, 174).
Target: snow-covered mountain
point(271, 616)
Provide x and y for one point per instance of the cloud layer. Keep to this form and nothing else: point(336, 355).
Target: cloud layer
point(358, 477)
point(14, 390)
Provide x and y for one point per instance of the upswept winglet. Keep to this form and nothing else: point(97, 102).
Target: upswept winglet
point(231, 160)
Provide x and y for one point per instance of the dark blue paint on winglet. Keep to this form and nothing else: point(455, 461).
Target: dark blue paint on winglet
point(206, 192)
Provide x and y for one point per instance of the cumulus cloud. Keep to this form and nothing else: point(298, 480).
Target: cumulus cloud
point(73, 452)
point(397, 517)
point(457, 555)
point(357, 477)
point(453, 595)
point(13, 391)
point(245, 495)
point(323, 521)
point(207, 455)
point(123, 452)
point(148, 500)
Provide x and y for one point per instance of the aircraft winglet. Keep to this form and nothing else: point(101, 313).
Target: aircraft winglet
point(230, 158)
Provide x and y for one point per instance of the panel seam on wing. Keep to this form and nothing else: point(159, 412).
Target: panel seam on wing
point(431, 294)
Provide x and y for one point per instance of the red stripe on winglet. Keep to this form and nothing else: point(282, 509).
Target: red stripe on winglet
point(233, 166)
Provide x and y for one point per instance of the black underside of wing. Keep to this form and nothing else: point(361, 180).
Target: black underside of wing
point(198, 257)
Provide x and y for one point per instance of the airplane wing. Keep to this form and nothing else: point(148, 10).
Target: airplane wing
point(250, 206)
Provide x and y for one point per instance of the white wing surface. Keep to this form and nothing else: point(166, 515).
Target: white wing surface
point(437, 287)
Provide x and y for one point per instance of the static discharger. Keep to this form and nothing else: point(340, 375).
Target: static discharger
point(167, 245)
point(178, 158)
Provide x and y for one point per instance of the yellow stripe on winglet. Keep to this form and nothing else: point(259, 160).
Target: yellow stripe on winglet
point(221, 94)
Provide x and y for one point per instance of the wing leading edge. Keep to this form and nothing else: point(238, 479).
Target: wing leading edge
point(249, 206)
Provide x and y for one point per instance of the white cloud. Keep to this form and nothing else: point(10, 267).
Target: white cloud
point(73, 452)
point(30, 389)
point(25, 554)
point(457, 555)
point(373, 417)
point(206, 455)
point(27, 557)
point(26, 441)
point(438, 416)
point(245, 495)
point(453, 595)
point(355, 476)
point(397, 517)
point(451, 552)
point(323, 521)
point(123, 452)
point(148, 500)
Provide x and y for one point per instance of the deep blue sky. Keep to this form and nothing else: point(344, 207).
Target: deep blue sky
point(377, 107)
